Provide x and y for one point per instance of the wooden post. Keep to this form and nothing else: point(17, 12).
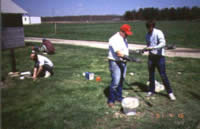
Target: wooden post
point(13, 60)
point(55, 27)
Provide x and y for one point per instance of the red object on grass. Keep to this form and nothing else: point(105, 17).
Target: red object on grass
point(98, 79)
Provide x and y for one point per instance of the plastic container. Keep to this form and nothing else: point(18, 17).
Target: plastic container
point(25, 73)
point(158, 86)
point(98, 79)
point(88, 75)
point(21, 78)
point(129, 105)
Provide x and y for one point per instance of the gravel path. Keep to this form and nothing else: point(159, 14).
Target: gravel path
point(178, 52)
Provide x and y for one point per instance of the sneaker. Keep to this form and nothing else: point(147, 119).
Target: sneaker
point(172, 97)
point(47, 74)
point(149, 94)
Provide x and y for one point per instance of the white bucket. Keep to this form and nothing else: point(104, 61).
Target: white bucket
point(129, 105)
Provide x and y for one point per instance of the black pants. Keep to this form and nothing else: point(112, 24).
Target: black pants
point(156, 61)
point(46, 67)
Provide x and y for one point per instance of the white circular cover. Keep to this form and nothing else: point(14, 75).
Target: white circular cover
point(130, 102)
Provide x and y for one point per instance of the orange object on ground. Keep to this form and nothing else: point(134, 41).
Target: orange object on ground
point(98, 78)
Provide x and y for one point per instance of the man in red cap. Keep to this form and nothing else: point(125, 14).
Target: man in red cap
point(118, 48)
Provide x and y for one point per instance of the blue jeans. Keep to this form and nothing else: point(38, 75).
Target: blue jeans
point(156, 61)
point(118, 73)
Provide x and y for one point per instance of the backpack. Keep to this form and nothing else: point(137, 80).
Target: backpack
point(49, 46)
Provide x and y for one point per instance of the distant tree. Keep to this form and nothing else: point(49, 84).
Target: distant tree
point(139, 14)
point(195, 12)
point(150, 13)
point(134, 13)
point(184, 13)
point(128, 15)
point(164, 14)
point(172, 14)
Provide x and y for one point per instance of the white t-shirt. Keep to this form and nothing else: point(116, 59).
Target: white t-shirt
point(156, 40)
point(117, 43)
point(42, 60)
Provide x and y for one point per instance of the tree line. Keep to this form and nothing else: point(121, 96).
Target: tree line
point(181, 13)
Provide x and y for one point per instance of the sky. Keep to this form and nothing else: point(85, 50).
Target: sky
point(96, 7)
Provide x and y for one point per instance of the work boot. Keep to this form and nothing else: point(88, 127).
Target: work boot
point(111, 105)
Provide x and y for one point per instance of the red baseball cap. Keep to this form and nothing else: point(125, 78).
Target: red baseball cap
point(126, 28)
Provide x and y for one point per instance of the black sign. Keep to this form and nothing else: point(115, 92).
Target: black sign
point(12, 37)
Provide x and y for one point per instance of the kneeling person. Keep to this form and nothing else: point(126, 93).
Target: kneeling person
point(43, 66)
point(47, 46)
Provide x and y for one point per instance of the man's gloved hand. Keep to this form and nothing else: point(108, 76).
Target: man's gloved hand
point(137, 60)
point(148, 48)
point(127, 58)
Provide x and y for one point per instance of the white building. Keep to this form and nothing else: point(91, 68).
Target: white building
point(27, 20)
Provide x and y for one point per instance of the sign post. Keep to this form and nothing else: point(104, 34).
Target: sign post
point(13, 60)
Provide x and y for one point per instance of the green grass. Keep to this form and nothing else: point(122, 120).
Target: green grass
point(181, 33)
point(68, 101)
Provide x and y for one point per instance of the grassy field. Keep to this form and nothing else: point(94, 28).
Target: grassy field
point(68, 101)
point(181, 33)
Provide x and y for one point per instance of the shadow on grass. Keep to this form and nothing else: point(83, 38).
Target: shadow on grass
point(196, 96)
point(162, 94)
point(143, 87)
point(106, 91)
